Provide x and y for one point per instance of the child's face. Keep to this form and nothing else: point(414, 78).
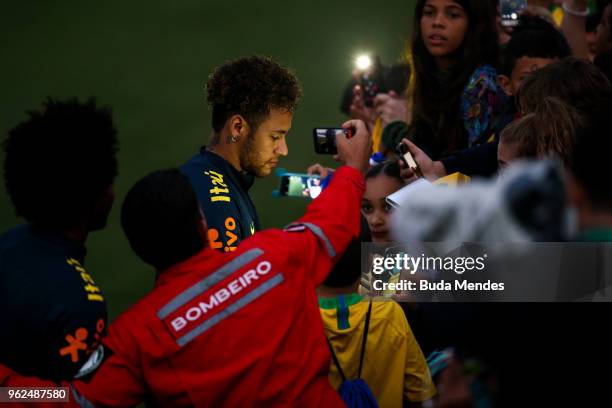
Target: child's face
point(443, 27)
point(374, 207)
point(523, 67)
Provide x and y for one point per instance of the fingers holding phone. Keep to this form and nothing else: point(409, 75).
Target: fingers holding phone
point(407, 159)
point(319, 169)
point(354, 148)
point(406, 173)
point(419, 160)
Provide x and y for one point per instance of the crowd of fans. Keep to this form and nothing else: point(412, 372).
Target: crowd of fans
point(472, 98)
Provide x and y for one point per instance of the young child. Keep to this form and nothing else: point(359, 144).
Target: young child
point(534, 44)
point(575, 81)
point(393, 367)
point(545, 132)
point(456, 97)
point(381, 180)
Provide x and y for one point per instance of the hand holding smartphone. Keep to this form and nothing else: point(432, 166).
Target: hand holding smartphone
point(325, 139)
point(407, 158)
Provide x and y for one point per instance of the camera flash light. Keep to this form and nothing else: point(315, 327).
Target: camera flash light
point(363, 62)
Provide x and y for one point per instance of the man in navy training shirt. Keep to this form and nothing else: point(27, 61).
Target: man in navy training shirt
point(59, 170)
point(252, 100)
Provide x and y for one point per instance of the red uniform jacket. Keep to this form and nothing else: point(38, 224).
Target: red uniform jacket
point(235, 329)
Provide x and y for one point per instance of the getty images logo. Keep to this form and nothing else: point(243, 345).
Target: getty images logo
point(231, 289)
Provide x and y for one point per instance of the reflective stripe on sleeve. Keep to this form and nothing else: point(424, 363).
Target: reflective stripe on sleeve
point(230, 310)
point(315, 229)
point(217, 276)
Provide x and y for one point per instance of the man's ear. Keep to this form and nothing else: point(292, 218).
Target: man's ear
point(504, 82)
point(238, 128)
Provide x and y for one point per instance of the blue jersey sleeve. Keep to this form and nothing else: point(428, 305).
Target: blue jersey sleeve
point(220, 209)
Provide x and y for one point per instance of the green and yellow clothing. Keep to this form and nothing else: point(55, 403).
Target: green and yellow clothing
point(394, 366)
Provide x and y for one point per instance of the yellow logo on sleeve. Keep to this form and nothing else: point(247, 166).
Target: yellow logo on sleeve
point(93, 291)
point(220, 188)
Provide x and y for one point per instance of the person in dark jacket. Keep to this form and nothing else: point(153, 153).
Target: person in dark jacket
point(59, 171)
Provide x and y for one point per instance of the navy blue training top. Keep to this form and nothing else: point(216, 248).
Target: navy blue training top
point(53, 314)
point(223, 193)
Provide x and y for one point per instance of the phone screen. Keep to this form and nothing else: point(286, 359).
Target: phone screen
point(325, 139)
point(408, 159)
point(296, 185)
point(510, 11)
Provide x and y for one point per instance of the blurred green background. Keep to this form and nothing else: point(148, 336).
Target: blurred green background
point(150, 60)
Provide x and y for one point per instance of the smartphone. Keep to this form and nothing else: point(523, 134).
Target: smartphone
point(407, 158)
point(325, 139)
point(371, 82)
point(300, 185)
point(510, 11)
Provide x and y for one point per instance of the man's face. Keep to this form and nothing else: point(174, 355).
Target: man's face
point(264, 146)
point(523, 67)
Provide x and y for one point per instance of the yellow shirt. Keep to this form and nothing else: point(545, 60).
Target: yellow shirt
point(394, 366)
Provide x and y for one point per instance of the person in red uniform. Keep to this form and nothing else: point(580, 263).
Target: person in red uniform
point(225, 329)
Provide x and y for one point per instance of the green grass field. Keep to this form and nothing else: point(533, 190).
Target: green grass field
point(150, 60)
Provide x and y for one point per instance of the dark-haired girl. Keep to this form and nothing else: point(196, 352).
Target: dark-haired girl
point(456, 97)
point(382, 180)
